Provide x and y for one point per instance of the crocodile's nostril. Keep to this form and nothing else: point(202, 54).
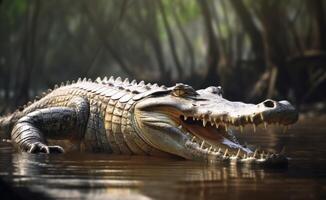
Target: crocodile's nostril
point(269, 104)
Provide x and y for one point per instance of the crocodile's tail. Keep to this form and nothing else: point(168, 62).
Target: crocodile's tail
point(6, 124)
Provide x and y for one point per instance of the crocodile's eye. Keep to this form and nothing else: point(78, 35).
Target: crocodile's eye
point(182, 90)
point(178, 92)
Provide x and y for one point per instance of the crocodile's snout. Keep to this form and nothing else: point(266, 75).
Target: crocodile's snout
point(281, 112)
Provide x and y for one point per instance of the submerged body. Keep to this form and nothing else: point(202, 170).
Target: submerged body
point(122, 117)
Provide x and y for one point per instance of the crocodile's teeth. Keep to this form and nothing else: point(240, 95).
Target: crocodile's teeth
point(210, 148)
point(238, 153)
point(204, 122)
point(262, 116)
point(226, 152)
point(180, 127)
point(185, 117)
point(202, 144)
point(193, 139)
point(254, 126)
point(247, 118)
point(255, 153)
point(226, 127)
point(233, 120)
point(265, 125)
point(217, 125)
point(241, 128)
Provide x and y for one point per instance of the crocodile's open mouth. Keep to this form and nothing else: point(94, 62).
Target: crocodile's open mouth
point(213, 137)
point(198, 125)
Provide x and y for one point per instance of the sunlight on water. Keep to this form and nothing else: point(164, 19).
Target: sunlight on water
point(100, 176)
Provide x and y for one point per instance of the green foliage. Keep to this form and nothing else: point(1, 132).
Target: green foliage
point(14, 9)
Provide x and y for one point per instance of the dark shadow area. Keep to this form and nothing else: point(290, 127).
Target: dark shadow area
point(13, 193)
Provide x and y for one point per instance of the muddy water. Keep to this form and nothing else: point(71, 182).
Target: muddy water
point(98, 176)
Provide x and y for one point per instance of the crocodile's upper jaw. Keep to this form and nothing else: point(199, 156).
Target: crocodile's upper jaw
point(198, 126)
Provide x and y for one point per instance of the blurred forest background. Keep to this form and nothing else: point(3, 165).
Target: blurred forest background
point(254, 49)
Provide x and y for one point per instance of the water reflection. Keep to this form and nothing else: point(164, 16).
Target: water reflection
point(100, 176)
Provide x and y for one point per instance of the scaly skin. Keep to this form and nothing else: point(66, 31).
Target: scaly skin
point(123, 117)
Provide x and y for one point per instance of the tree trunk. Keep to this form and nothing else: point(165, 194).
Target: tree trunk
point(213, 53)
point(103, 35)
point(171, 40)
point(186, 41)
point(256, 38)
point(28, 53)
point(277, 46)
point(318, 12)
point(149, 27)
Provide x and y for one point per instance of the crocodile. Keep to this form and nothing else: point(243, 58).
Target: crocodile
point(116, 116)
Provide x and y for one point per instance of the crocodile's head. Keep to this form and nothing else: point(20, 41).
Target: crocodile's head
point(197, 124)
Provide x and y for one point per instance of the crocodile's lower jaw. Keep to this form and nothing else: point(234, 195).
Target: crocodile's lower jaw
point(211, 143)
point(213, 156)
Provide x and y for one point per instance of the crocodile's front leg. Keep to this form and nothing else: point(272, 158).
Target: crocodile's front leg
point(31, 131)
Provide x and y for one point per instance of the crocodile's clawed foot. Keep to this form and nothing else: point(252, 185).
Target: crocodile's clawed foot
point(56, 149)
point(38, 147)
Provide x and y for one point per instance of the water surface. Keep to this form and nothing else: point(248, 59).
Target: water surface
point(100, 176)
